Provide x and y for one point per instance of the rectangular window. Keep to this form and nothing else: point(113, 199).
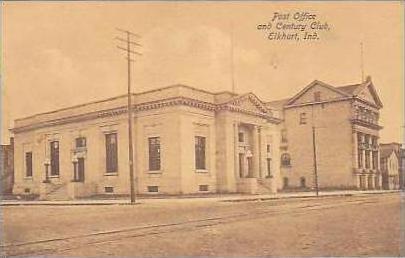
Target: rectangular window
point(80, 169)
point(80, 142)
point(268, 148)
point(283, 135)
point(28, 164)
point(54, 158)
point(268, 167)
point(303, 118)
point(111, 152)
point(153, 189)
point(374, 142)
point(203, 188)
point(241, 137)
point(303, 182)
point(367, 140)
point(285, 182)
point(200, 152)
point(317, 96)
point(154, 153)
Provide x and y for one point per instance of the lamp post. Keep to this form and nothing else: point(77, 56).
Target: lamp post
point(75, 175)
point(47, 162)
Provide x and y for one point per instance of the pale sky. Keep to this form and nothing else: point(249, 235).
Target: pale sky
point(58, 54)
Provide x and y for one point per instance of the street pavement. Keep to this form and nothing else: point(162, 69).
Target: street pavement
point(341, 225)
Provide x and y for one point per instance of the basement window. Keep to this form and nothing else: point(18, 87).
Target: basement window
point(153, 189)
point(203, 188)
point(27, 190)
point(109, 189)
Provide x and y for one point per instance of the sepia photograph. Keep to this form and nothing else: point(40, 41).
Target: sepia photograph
point(202, 129)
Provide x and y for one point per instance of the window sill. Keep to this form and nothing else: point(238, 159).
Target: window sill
point(54, 176)
point(30, 178)
point(154, 171)
point(203, 171)
point(111, 174)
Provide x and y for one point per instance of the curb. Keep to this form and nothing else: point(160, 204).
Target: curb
point(246, 199)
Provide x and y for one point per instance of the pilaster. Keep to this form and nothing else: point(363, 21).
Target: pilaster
point(256, 152)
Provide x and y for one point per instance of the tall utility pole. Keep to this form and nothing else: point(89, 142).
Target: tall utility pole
point(314, 150)
point(129, 52)
point(315, 165)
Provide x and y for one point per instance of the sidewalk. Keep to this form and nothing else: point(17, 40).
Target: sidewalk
point(211, 198)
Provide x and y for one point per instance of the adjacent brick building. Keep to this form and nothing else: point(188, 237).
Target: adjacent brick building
point(345, 121)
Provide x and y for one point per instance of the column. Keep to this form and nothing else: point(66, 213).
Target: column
point(256, 154)
point(236, 148)
point(355, 150)
point(261, 171)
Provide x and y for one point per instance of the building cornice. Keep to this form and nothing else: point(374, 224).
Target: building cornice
point(366, 102)
point(174, 101)
point(366, 124)
point(317, 103)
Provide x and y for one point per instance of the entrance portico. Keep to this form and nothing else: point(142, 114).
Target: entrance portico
point(251, 150)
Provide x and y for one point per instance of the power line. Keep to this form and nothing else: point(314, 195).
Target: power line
point(129, 51)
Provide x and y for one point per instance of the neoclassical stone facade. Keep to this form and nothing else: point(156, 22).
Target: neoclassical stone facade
point(186, 141)
point(191, 141)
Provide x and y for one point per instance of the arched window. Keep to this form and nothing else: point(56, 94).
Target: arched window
point(285, 159)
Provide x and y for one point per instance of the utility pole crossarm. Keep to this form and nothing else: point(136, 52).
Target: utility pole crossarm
point(128, 32)
point(129, 50)
point(130, 42)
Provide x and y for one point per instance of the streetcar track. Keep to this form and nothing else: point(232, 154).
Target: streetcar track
point(142, 231)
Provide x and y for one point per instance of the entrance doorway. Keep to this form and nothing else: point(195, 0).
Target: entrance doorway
point(250, 167)
point(241, 165)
